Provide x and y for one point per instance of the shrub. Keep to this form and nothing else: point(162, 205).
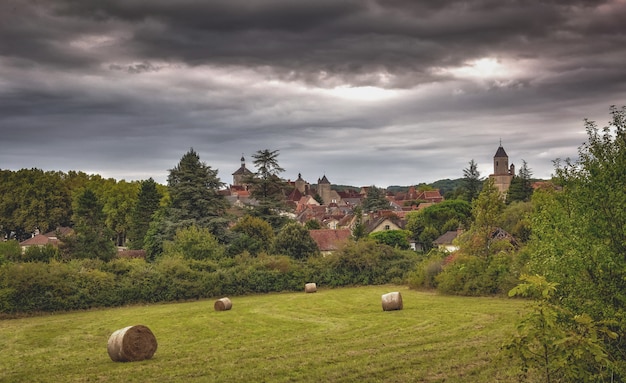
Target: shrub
point(10, 251)
point(44, 253)
point(194, 243)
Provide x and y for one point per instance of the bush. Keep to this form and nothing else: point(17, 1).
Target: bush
point(10, 251)
point(424, 275)
point(44, 253)
point(476, 276)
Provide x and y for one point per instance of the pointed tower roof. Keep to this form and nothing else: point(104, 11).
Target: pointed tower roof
point(500, 152)
point(324, 180)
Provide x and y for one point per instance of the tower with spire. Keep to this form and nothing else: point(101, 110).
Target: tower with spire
point(241, 174)
point(502, 172)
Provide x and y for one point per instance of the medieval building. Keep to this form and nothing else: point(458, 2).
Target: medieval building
point(502, 172)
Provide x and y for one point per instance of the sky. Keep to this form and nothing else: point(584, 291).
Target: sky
point(366, 92)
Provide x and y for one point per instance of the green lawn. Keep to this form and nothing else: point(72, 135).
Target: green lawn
point(334, 335)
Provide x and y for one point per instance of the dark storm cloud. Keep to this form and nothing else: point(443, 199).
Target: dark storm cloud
point(367, 92)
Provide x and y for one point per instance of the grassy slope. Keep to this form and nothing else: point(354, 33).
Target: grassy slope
point(329, 336)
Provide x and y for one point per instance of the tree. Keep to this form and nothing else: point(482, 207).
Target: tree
point(254, 235)
point(147, 204)
point(194, 192)
point(554, 344)
point(119, 201)
point(31, 199)
point(194, 243)
point(358, 230)
point(393, 238)
point(375, 200)
point(578, 238)
point(521, 188)
point(472, 182)
point(91, 238)
point(313, 224)
point(295, 241)
point(268, 188)
point(429, 223)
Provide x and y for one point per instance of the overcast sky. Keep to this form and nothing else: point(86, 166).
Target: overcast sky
point(366, 92)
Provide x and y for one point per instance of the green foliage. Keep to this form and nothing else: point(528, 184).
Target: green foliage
point(393, 238)
point(426, 271)
point(429, 223)
point(358, 229)
point(147, 204)
point(367, 262)
point(195, 200)
point(313, 224)
point(44, 253)
point(478, 276)
point(515, 219)
point(578, 238)
point(92, 239)
point(10, 251)
point(472, 182)
point(254, 235)
point(521, 188)
point(267, 188)
point(375, 200)
point(194, 243)
point(295, 241)
point(554, 345)
point(33, 199)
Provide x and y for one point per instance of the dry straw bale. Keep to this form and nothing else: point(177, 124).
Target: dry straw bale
point(223, 304)
point(132, 344)
point(310, 288)
point(392, 301)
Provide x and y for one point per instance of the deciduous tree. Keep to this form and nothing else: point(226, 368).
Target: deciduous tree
point(578, 238)
point(295, 241)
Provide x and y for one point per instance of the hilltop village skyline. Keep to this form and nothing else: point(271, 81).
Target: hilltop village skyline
point(502, 173)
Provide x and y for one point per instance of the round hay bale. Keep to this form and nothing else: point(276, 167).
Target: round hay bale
point(223, 304)
point(310, 288)
point(132, 344)
point(392, 301)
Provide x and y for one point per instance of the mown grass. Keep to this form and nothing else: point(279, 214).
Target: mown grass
point(334, 335)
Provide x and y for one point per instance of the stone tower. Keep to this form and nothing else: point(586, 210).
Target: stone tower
point(323, 189)
point(502, 172)
point(301, 184)
point(240, 176)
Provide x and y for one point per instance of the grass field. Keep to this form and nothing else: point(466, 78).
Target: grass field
point(334, 335)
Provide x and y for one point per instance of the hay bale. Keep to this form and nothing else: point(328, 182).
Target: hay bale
point(310, 288)
point(223, 304)
point(392, 301)
point(132, 344)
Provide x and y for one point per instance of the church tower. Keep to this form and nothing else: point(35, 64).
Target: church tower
point(502, 172)
point(240, 176)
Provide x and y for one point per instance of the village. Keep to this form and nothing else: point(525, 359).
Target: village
point(334, 210)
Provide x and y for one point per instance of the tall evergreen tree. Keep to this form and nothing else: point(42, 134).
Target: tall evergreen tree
point(472, 182)
point(193, 187)
point(91, 238)
point(375, 200)
point(521, 188)
point(147, 204)
point(194, 194)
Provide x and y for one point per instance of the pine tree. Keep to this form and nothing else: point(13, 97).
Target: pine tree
point(91, 238)
point(472, 182)
point(147, 203)
point(375, 200)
